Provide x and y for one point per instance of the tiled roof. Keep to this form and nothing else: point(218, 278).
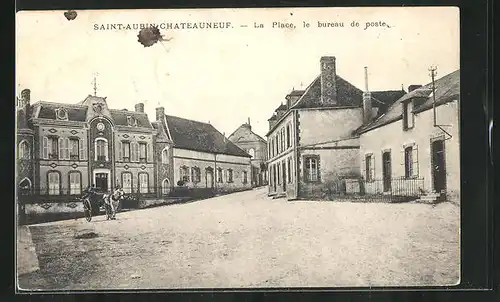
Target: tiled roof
point(120, 118)
point(296, 92)
point(347, 95)
point(198, 136)
point(447, 89)
point(75, 113)
point(282, 107)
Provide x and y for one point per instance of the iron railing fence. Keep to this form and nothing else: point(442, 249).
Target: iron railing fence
point(392, 189)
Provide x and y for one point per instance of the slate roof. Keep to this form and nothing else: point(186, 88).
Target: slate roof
point(296, 92)
point(447, 89)
point(75, 113)
point(198, 136)
point(120, 118)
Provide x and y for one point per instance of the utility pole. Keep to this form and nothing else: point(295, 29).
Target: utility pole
point(95, 83)
point(433, 74)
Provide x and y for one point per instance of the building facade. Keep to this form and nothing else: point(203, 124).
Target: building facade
point(63, 148)
point(256, 147)
point(311, 138)
point(417, 139)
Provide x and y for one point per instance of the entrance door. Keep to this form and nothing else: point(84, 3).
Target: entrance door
point(283, 169)
point(210, 178)
point(101, 181)
point(438, 164)
point(386, 170)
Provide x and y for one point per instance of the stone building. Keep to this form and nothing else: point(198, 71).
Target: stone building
point(416, 140)
point(256, 146)
point(311, 139)
point(63, 148)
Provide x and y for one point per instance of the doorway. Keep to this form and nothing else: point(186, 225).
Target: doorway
point(386, 170)
point(210, 178)
point(101, 181)
point(438, 166)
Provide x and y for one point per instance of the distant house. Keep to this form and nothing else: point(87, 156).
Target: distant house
point(311, 138)
point(256, 147)
point(416, 139)
point(196, 155)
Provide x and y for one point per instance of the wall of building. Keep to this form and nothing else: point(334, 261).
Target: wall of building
point(333, 165)
point(212, 162)
point(63, 166)
point(136, 167)
point(317, 125)
point(393, 137)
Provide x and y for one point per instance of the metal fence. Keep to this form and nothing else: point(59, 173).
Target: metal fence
point(394, 189)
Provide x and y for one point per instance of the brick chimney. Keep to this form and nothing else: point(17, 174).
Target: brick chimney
point(160, 113)
point(413, 87)
point(328, 81)
point(367, 101)
point(25, 98)
point(139, 107)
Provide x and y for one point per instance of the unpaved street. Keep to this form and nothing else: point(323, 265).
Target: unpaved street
point(249, 240)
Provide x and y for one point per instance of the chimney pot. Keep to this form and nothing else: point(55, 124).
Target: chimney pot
point(139, 107)
point(160, 113)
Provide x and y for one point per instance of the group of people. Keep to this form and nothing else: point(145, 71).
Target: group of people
point(112, 199)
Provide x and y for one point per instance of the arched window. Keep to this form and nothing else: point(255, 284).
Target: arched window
point(127, 182)
point(251, 152)
point(24, 150)
point(25, 186)
point(165, 187)
point(184, 174)
point(164, 155)
point(75, 183)
point(54, 183)
point(195, 174)
point(101, 149)
point(143, 183)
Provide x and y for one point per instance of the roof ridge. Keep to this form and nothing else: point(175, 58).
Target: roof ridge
point(186, 119)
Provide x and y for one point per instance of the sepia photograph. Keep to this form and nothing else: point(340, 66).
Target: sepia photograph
point(252, 148)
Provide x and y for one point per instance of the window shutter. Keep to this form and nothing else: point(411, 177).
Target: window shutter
point(415, 160)
point(45, 147)
point(147, 150)
point(120, 151)
point(61, 148)
point(66, 140)
point(83, 149)
point(363, 167)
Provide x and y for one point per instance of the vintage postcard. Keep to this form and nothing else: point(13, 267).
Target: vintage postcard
point(237, 148)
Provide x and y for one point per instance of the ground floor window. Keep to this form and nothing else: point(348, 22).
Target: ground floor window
point(229, 175)
point(196, 174)
point(219, 175)
point(184, 174)
point(143, 183)
point(245, 177)
point(165, 187)
point(54, 183)
point(127, 182)
point(75, 183)
point(311, 168)
point(289, 165)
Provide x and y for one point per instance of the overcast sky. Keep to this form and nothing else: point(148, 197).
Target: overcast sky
point(227, 75)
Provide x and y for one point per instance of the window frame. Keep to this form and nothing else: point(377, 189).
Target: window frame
point(105, 147)
point(140, 149)
point(59, 189)
point(184, 174)
point(21, 152)
point(369, 167)
point(307, 171)
point(73, 156)
point(140, 183)
point(131, 182)
point(408, 115)
point(79, 182)
point(408, 162)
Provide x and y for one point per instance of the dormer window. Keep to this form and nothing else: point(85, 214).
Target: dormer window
point(408, 116)
point(131, 121)
point(62, 114)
